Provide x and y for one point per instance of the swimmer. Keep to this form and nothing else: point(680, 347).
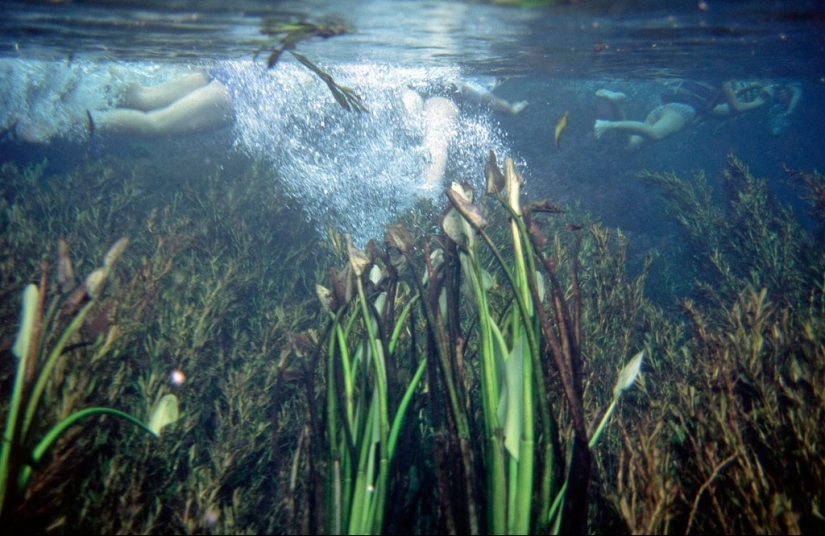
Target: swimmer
point(474, 91)
point(681, 106)
point(192, 104)
point(440, 127)
point(441, 122)
point(787, 97)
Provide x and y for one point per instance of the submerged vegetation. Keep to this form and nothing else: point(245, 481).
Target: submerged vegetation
point(499, 372)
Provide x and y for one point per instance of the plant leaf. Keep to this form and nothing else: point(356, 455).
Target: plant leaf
point(628, 374)
point(31, 297)
point(514, 420)
point(166, 412)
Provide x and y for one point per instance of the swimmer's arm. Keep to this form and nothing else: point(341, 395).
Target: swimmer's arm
point(734, 104)
point(797, 95)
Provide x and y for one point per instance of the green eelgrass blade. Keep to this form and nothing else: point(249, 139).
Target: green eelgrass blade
point(51, 361)
point(58, 429)
point(399, 324)
point(519, 284)
point(359, 498)
point(380, 488)
point(334, 506)
point(346, 366)
point(402, 407)
point(17, 394)
point(11, 422)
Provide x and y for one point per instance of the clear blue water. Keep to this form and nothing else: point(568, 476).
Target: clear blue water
point(351, 170)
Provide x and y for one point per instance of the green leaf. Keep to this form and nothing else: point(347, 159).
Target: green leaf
point(514, 421)
point(166, 412)
point(31, 298)
point(628, 374)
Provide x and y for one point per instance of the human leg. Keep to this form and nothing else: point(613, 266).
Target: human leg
point(203, 110)
point(413, 103)
point(662, 122)
point(615, 102)
point(138, 97)
point(476, 93)
point(441, 116)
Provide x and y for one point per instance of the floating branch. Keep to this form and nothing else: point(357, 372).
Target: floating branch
point(284, 36)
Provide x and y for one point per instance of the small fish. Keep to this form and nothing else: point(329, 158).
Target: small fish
point(292, 374)
point(546, 207)
point(560, 126)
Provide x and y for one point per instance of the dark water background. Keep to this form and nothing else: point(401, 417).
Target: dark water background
point(553, 57)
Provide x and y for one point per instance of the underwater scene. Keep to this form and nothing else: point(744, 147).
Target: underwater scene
point(377, 266)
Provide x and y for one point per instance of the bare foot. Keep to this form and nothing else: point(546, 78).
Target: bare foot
point(601, 127)
point(612, 96)
point(518, 107)
point(132, 97)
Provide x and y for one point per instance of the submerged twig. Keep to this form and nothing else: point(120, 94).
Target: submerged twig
point(284, 36)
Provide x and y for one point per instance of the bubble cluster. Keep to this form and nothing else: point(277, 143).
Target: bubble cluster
point(352, 171)
point(347, 170)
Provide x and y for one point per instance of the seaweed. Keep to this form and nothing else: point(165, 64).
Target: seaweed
point(227, 299)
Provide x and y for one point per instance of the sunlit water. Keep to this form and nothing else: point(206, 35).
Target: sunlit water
point(352, 171)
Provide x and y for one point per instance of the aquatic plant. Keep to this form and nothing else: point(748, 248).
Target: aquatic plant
point(815, 185)
point(749, 239)
point(723, 421)
point(207, 297)
point(357, 393)
point(509, 396)
point(20, 452)
point(507, 329)
point(285, 35)
point(734, 445)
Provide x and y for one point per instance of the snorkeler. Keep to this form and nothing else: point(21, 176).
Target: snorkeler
point(683, 105)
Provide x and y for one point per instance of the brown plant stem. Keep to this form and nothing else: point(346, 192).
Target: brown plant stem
point(568, 359)
point(561, 353)
point(461, 424)
point(716, 470)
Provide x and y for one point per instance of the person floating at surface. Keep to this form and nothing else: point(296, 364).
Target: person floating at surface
point(474, 91)
point(200, 102)
point(192, 104)
point(682, 105)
